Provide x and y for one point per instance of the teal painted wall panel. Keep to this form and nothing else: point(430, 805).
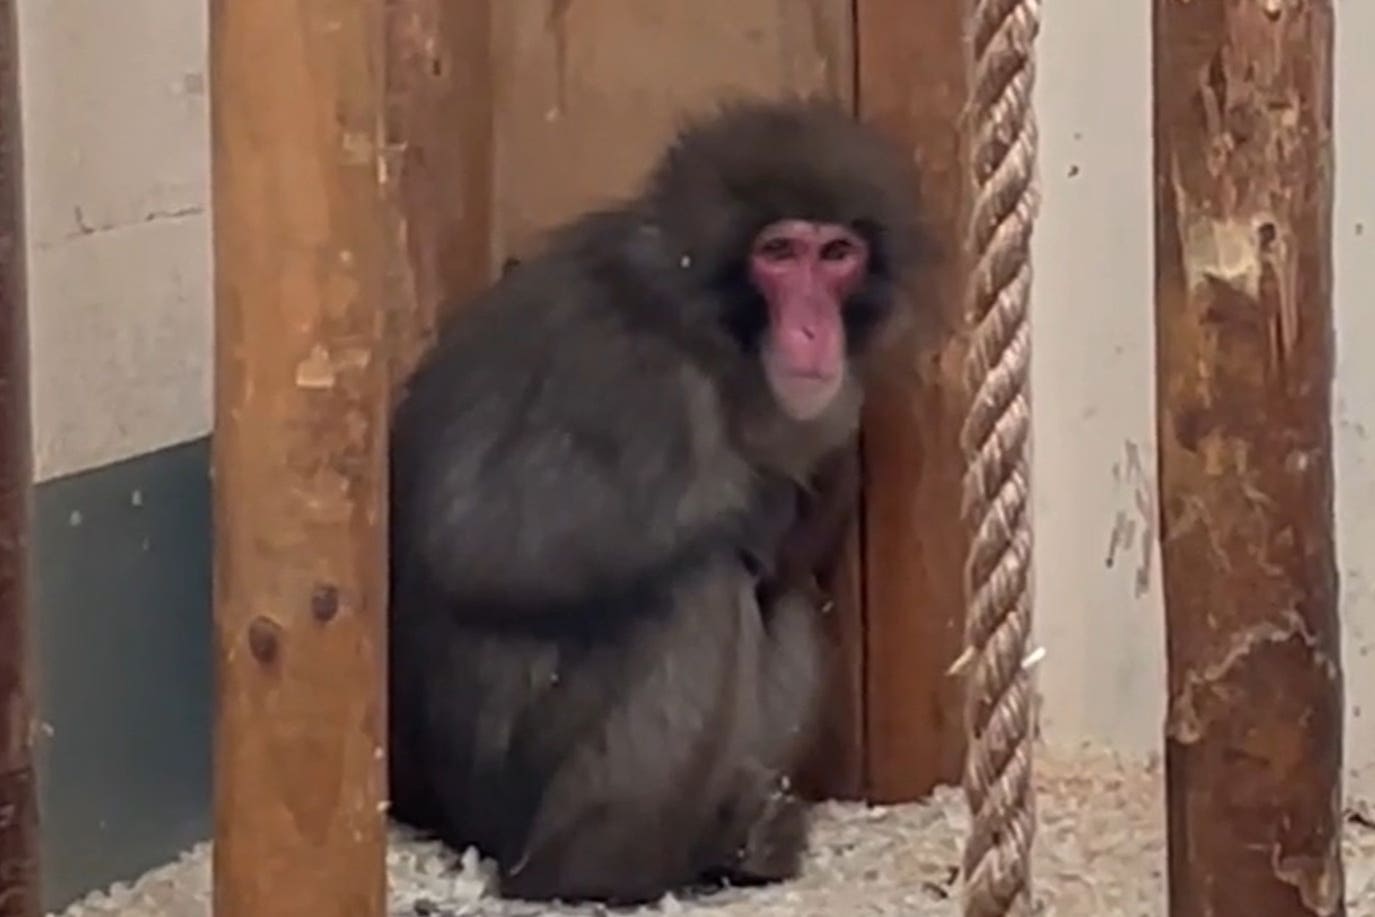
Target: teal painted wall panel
point(122, 583)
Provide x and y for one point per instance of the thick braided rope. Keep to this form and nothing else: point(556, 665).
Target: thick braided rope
point(999, 706)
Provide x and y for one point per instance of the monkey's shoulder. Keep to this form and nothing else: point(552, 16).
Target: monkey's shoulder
point(548, 372)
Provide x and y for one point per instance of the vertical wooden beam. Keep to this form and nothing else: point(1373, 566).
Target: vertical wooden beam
point(301, 250)
point(1243, 122)
point(912, 84)
point(439, 162)
point(19, 892)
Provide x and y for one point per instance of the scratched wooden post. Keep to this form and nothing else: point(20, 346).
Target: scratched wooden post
point(1243, 122)
point(301, 248)
point(19, 882)
point(912, 85)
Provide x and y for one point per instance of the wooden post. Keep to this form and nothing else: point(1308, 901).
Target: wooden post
point(912, 84)
point(1243, 125)
point(19, 891)
point(301, 266)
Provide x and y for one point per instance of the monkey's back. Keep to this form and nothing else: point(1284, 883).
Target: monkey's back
point(552, 446)
point(558, 468)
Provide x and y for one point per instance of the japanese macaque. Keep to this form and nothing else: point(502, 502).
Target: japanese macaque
point(613, 478)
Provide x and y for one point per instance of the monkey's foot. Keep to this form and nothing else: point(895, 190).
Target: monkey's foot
point(775, 844)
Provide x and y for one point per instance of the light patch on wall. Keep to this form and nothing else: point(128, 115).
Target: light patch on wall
point(117, 167)
point(121, 335)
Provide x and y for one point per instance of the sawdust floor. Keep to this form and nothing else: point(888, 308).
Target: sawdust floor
point(1100, 853)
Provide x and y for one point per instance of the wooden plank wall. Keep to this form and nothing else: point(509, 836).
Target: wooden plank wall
point(587, 93)
point(562, 105)
point(439, 161)
point(912, 85)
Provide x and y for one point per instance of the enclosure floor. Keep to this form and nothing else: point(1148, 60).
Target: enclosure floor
point(1100, 852)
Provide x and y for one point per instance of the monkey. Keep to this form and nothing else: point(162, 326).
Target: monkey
point(613, 476)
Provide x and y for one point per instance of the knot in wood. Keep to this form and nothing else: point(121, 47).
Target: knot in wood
point(324, 602)
point(264, 640)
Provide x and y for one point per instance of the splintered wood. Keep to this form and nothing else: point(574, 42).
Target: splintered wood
point(438, 164)
point(1243, 127)
point(299, 470)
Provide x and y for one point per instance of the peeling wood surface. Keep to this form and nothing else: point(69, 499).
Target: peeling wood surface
point(19, 877)
point(911, 83)
point(300, 249)
point(438, 162)
point(1244, 197)
point(576, 126)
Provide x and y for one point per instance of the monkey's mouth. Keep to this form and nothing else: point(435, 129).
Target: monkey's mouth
point(804, 394)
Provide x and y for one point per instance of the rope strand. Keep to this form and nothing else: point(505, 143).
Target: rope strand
point(1000, 713)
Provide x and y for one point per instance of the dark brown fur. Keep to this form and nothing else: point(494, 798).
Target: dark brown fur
point(604, 657)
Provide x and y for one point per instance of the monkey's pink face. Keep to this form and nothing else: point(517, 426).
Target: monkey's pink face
point(806, 272)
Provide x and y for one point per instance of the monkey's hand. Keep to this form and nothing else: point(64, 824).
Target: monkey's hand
point(777, 511)
point(809, 548)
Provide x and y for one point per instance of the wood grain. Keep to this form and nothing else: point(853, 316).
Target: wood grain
point(587, 94)
point(301, 250)
point(439, 162)
point(1243, 162)
point(19, 875)
point(912, 85)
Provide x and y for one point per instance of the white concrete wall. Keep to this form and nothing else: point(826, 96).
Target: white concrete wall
point(1097, 559)
point(117, 146)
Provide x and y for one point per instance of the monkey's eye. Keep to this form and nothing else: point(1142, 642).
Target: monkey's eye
point(837, 250)
point(779, 248)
